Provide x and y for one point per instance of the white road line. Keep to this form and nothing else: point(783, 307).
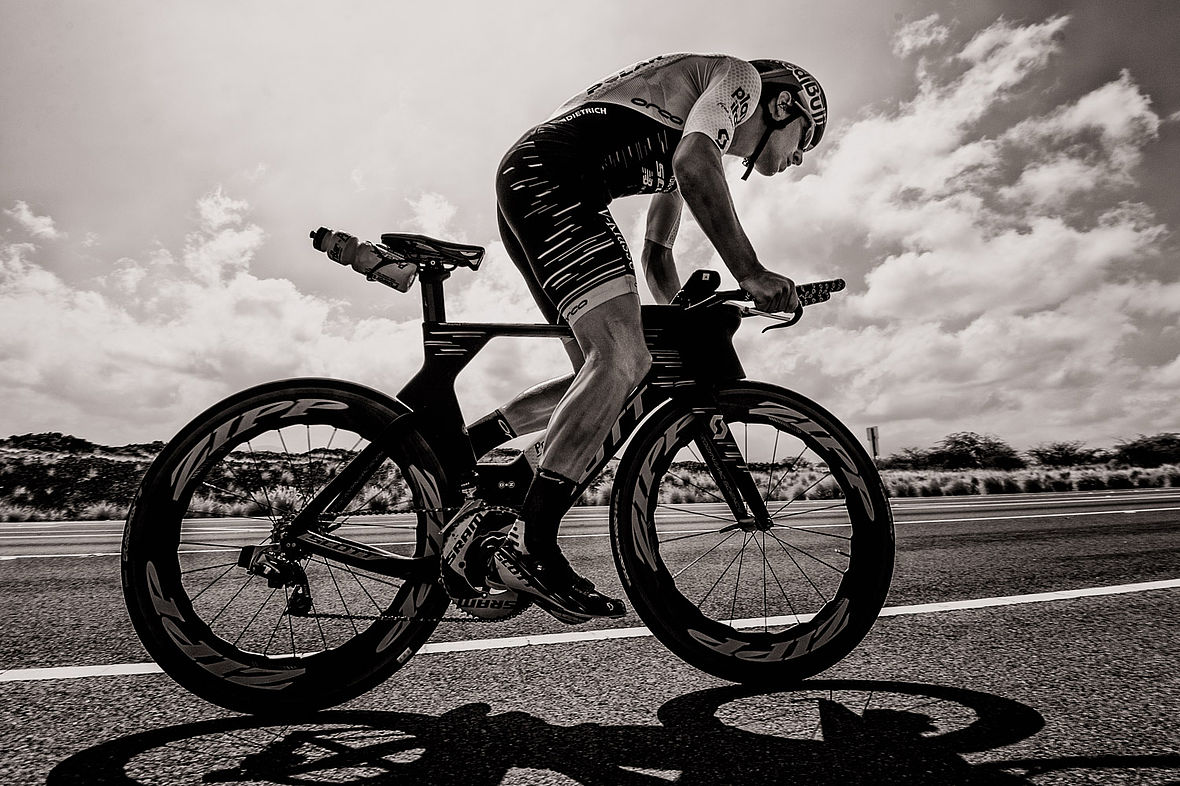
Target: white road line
point(514, 642)
point(1038, 516)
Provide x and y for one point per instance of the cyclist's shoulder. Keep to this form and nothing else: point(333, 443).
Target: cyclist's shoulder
point(700, 68)
point(677, 81)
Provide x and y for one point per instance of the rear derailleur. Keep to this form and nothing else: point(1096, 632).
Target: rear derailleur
point(279, 570)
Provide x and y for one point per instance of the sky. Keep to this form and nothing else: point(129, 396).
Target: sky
point(996, 186)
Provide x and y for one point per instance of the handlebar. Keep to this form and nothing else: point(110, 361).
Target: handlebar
point(808, 294)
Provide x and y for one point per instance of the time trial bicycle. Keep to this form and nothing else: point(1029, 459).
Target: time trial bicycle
point(281, 554)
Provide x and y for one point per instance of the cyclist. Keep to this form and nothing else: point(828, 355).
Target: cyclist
point(658, 127)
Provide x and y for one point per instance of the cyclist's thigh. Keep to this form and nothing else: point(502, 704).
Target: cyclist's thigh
point(560, 220)
point(612, 327)
point(519, 258)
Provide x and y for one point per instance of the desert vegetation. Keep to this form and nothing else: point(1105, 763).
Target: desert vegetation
point(58, 477)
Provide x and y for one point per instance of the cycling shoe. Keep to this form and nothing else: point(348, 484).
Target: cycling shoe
point(550, 581)
point(468, 542)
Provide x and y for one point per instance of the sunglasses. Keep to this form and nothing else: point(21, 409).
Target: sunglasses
point(794, 109)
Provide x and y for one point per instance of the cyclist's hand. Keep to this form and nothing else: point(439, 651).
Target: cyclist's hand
point(771, 291)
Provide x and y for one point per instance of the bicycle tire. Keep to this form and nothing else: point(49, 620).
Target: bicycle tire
point(225, 482)
point(745, 642)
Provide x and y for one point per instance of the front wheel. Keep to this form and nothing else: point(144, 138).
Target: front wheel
point(232, 606)
point(770, 601)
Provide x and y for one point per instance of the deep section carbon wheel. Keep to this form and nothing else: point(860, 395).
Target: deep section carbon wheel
point(228, 600)
point(758, 599)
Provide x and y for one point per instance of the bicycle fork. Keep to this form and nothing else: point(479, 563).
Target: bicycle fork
point(721, 454)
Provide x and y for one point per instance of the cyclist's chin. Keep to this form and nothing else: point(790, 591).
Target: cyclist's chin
point(769, 170)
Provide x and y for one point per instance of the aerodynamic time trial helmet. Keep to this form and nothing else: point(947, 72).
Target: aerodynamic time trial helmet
point(809, 103)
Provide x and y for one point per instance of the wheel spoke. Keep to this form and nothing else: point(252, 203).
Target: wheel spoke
point(800, 495)
point(766, 561)
point(701, 602)
point(666, 506)
point(806, 576)
point(692, 535)
point(737, 582)
point(262, 606)
point(814, 531)
point(707, 553)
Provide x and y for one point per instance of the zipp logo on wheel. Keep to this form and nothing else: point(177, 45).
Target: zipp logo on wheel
point(239, 425)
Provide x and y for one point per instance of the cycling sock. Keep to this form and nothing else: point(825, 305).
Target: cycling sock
point(548, 499)
point(490, 431)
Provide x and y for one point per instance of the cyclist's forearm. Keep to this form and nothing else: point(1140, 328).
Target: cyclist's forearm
point(659, 269)
point(703, 186)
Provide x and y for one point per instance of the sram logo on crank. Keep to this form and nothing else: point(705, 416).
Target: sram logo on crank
point(496, 606)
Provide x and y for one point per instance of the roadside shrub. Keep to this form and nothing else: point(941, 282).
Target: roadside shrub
point(1061, 483)
point(17, 512)
point(902, 488)
point(9, 512)
point(1119, 480)
point(958, 487)
point(1091, 483)
point(828, 489)
point(1033, 484)
point(931, 489)
point(103, 511)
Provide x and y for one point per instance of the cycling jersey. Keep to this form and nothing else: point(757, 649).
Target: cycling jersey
point(614, 139)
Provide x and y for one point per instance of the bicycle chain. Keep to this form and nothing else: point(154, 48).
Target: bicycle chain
point(401, 617)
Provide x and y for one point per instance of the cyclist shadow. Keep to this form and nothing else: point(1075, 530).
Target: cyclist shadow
point(821, 732)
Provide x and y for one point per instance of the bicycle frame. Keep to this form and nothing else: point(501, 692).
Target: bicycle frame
point(436, 414)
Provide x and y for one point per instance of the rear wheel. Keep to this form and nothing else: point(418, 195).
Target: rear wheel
point(764, 603)
point(228, 603)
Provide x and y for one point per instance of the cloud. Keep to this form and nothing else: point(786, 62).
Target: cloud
point(136, 352)
point(37, 226)
point(999, 269)
point(432, 215)
point(1004, 277)
point(921, 34)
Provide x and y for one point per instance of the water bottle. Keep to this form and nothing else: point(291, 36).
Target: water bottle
point(374, 261)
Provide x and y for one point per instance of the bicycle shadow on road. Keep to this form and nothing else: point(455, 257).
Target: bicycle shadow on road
point(821, 732)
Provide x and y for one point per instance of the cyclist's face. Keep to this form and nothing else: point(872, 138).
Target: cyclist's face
point(782, 149)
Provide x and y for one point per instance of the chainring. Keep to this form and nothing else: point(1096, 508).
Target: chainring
point(493, 605)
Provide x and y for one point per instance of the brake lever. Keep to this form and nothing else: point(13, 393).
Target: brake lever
point(784, 321)
point(798, 315)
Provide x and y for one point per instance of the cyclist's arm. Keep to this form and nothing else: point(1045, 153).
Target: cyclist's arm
point(659, 266)
point(701, 177)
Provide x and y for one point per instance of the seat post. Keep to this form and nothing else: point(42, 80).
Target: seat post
point(431, 276)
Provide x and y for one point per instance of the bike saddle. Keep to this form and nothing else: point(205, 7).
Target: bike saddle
point(421, 249)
